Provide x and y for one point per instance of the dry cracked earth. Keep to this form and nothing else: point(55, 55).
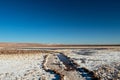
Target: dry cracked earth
point(62, 64)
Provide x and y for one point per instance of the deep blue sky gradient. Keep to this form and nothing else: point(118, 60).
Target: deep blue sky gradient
point(60, 21)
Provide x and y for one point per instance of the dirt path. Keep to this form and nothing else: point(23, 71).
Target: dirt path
point(57, 75)
point(53, 63)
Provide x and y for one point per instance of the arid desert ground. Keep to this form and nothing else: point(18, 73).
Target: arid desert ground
point(60, 63)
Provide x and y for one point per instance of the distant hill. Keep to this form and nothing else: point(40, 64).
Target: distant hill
point(22, 45)
point(3, 44)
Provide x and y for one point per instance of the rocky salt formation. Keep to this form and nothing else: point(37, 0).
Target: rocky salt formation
point(108, 72)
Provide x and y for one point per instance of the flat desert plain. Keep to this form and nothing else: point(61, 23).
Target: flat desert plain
point(60, 63)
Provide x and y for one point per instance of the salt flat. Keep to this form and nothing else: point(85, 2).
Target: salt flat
point(105, 63)
point(91, 58)
point(61, 64)
point(22, 67)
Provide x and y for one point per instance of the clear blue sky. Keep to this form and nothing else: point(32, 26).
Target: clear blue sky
point(60, 21)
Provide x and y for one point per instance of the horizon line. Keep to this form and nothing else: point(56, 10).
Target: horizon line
point(80, 44)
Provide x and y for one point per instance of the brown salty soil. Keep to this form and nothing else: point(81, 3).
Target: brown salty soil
point(16, 51)
point(54, 64)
